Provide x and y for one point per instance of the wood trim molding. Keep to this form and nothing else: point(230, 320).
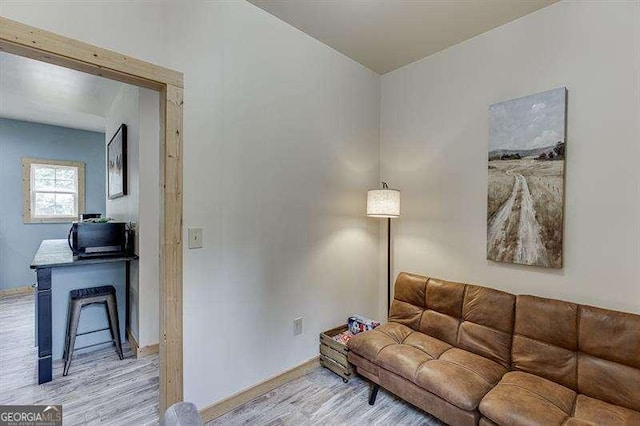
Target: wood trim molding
point(171, 380)
point(234, 401)
point(148, 350)
point(141, 351)
point(132, 342)
point(26, 188)
point(45, 46)
point(34, 43)
point(16, 290)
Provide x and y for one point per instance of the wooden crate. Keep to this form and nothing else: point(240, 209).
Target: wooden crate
point(333, 354)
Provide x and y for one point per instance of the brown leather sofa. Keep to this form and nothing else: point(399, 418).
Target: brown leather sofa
point(473, 355)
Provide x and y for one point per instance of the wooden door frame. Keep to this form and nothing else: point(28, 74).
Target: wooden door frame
point(34, 43)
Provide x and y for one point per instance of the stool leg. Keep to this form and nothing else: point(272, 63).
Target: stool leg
point(74, 319)
point(113, 336)
point(67, 335)
point(114, 324)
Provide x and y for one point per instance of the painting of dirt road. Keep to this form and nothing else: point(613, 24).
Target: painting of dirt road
point(526, 179)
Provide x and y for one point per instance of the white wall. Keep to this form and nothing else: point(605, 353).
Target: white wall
point(134, 27)
point(124, 110)
point(148, 229)
point(281, 144)
point(434, 137)
point(139, 108)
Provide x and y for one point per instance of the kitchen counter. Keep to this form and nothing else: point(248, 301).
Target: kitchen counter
point(58, 273)
point(55, 253)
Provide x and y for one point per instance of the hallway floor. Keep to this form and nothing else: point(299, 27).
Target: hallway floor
point(100, 388)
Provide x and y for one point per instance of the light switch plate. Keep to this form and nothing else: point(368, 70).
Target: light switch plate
point(195, 238)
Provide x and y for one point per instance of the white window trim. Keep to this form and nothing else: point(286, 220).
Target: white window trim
point(27, 192)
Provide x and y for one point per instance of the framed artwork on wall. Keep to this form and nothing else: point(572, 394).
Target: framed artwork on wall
point(525, 208)
point(117, 164)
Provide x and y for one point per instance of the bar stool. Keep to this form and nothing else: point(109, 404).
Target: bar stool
point(80, 298)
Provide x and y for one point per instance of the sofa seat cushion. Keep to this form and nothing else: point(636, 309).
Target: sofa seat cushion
point(459, 377)
point(598, 412)
point(406, 358)
point(525, 399)
point(427, 344)
point(403, 360)
point(397, 348)
point(369, 343)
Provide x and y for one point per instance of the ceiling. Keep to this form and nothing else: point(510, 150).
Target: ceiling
point(38, 92)
point(387, 34)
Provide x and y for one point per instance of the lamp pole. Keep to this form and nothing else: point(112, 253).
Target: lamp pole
point(385, 203)
point(388, 266)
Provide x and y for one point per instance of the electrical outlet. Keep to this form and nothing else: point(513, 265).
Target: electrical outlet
point(297, 326)
point(195, 238)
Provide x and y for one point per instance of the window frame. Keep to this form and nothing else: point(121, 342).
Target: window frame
point(28, 190)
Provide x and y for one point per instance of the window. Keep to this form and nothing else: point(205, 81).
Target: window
point(53, 190)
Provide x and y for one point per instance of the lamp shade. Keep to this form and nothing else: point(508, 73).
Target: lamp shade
point(383, 203)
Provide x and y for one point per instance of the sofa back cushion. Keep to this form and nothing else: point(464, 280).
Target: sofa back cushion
point(609, 356)
point(474, 318)
point(545, 339)
point(409, 300)
point(441, 319)
point(594, 351)
point(487, 323)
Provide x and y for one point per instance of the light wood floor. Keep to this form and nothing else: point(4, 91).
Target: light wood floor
point(321, 398)
point(100, 388)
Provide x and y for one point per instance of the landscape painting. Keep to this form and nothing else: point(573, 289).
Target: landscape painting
point(117, 164)
point(526, 179)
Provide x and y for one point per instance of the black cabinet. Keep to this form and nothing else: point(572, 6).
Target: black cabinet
point(43, 325)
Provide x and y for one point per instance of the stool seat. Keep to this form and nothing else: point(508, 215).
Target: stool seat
point(78, 299)
point(85, 293)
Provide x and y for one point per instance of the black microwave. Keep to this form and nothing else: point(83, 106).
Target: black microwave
point(88, 239)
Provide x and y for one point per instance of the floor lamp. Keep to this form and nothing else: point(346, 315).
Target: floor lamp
point(385, 203)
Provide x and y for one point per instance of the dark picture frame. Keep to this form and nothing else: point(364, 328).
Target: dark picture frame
point(117, 164)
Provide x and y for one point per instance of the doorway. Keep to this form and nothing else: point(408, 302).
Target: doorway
point(31, 42)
